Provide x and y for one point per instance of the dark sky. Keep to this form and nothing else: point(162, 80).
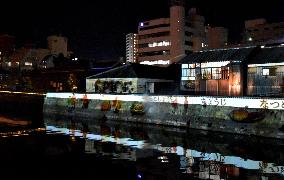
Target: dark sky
point(97, 29)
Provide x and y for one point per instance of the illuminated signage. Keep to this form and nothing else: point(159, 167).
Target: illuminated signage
point(241, 102)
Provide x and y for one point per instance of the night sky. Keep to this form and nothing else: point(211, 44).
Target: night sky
point(97, 29)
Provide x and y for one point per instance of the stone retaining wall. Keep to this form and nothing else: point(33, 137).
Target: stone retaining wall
point(197, 116)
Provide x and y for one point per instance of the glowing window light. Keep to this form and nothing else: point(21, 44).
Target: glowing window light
point(215, 64)
point(266, 64)
point(159, 44)
point(265, 72)
point(184, 66)
point(159, 62)
point(28, 64)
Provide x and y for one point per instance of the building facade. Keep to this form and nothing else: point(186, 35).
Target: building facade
point(132, 78)
point(266, 72)
point(246, 71)
point(7, 44)
point(131, 47)
point(26, 59)
point(258, 32)
point(57, 45)
point(220, 72)
point(165, 41)
point(217, 37)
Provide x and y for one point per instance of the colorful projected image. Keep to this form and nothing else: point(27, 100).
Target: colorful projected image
point(116, 104)
point(137, 108)
point(105, 106)
point(112, 85)
point(243, 115)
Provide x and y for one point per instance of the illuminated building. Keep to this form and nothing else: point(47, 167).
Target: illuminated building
point(214, 72)
point(253, 71)
point(165, 41)
point(131, 47)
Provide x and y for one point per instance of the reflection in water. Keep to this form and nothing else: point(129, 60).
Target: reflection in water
point(79, 150)
point(161, 153)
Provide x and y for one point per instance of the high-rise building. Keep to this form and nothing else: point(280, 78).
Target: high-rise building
point(131, 47)
point(57, 45)
point(195, 25)
point(165, 41)
point(217, 37)
point(258, 31)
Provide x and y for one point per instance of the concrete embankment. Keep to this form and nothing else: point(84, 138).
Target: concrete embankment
point(247, 116)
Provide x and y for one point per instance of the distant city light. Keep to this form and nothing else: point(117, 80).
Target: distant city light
point(250, 38)
point(139, 176)
point(141, 24)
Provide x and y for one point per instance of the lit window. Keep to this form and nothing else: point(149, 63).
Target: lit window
point(215, 73)
point(265, 72)
point(158, 44)
point(159, 62)
point(269, 71)
point(184, 66)
point(28, 64)
point(188, 72)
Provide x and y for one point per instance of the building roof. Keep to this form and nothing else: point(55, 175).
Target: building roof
point(268, 55)
point(233, 54)
point(134, 70)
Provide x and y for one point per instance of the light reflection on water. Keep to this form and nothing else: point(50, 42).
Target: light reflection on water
point(195, 163)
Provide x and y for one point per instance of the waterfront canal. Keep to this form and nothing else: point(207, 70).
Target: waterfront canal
point(69, 149)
